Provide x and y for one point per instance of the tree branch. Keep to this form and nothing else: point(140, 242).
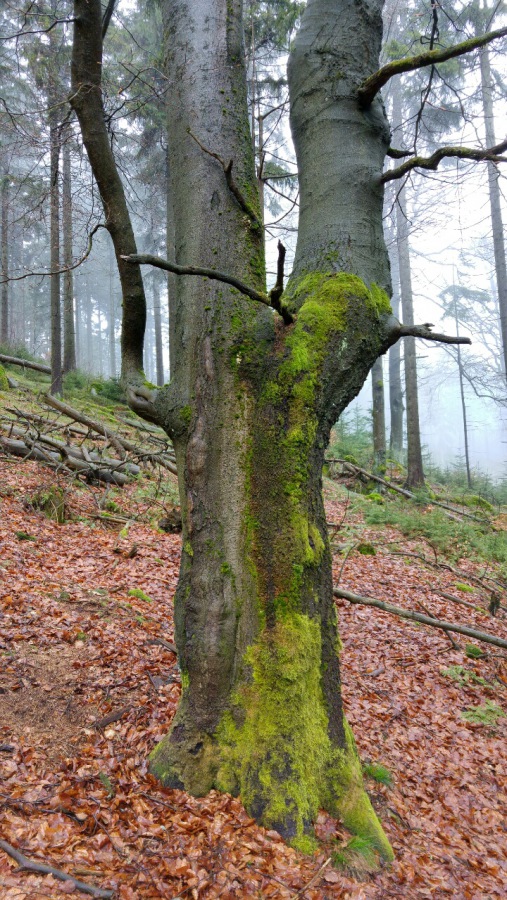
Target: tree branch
point(370, 88)
point(418, 617)
point(425, 332)
point(147, 260)
point(231, 184)
point(433, 161)
point(277, 291)
point(43, 869)
point(106, 18)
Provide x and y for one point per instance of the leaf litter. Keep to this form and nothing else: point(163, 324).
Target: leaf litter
point(89, 683)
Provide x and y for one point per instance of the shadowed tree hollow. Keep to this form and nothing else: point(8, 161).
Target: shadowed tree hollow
point(257, 381)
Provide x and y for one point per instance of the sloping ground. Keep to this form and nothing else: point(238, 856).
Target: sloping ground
point(89, 682)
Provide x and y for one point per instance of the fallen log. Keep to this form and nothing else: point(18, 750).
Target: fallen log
point(72, 464)
point(119, 442)
point(67, 450)
point(39, 868)
point(25, 363)
point(419, 617)
point(403, 491)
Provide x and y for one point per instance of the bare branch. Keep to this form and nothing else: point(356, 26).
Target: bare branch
point(277, 291)
point(492, 154)
point(418, 617)
point(145, 259)
point(370, 88)
point(425, 332)
point(106, 18)
point(231, 184)
point(64, 269)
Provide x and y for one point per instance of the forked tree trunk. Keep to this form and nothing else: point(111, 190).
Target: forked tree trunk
point(250, 406)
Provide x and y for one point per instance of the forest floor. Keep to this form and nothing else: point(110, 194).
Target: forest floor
point(89, 683)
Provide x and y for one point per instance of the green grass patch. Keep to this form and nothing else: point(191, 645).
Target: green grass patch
point(487, 713)
point(137, 592)
point(379, 773)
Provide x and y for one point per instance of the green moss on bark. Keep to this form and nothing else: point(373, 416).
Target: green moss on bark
point(275, 748)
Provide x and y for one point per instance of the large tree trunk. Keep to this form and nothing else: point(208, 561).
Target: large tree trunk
point(250, 406)
point(69, 333)
point(495, 201)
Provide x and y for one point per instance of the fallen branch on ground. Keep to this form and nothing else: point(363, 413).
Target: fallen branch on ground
point(25, 363)
point(43, 869)
point(120, 443)
point(418, 617)
point(357, 470)
point(30, 450)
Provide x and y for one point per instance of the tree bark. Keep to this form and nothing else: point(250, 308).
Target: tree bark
point(495, 201)
point(250, 406)
point(378, 417)
point(69, 333)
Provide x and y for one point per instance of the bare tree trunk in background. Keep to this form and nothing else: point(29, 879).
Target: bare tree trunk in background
point(378, 415)
point(171, 254)
point(395, 385)
point(112, 314)
point(415, 472)
point(463, 402)
point(157, 325)
point(4, 327)
point(69, 333)
point(56, 318)
point(495, 201)
point(86, 100)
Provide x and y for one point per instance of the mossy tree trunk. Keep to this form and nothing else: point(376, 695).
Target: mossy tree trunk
point(250, 406)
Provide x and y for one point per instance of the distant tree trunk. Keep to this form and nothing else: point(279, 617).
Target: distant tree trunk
point(171, 253)
point(4, 328)
point(379, 421)
point(495, 201)
point(69, 334)
point(415, 472)
point(395, 385)
point(79, 322)
point(86, 100)
point(56, 320)
point(89, 325)
point(112, 315)
point(463, 402)
point(157, 325)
